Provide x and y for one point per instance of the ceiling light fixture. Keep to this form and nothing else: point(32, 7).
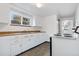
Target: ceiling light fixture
point(39, 5)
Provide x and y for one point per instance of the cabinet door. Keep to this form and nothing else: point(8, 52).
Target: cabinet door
point(15, 49)
point(29, 41)
point(16, 45)
point(33, 40)
point(40, 38)
point(65, 47)
point(43, 37)
point(19, 44)
point(5, 45)
point(36, 39)
point(25, 42)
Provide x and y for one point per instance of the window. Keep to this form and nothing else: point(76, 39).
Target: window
point(26, 21)
point(65, 26)
point(20, 19)
point(16, 19)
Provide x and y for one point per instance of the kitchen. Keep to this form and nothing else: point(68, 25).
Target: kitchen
point(24, 26)
point(19, 32)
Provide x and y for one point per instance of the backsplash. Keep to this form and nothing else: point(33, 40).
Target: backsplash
point(20, 28)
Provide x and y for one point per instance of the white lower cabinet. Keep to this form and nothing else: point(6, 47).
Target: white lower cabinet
point(15, 49)
point(25, 43)
point(5, 45)
point(14, 45)
point(65, 47)
point(21, 43)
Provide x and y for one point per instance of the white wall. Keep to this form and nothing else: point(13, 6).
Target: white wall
point(5, 20)
point(77, 16)
point(4, 12)
point(38, 20)
point(50, 25)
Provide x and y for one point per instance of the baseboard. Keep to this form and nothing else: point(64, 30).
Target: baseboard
point(47, 41)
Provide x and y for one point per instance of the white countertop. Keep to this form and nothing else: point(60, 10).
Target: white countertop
point(61, 37)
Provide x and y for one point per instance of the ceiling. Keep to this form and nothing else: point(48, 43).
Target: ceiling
point(61, 9)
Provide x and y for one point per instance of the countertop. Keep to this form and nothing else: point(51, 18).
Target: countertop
point(61, 37)
point(10, 33)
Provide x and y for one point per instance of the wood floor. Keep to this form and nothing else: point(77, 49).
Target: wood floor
point(41, 50)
